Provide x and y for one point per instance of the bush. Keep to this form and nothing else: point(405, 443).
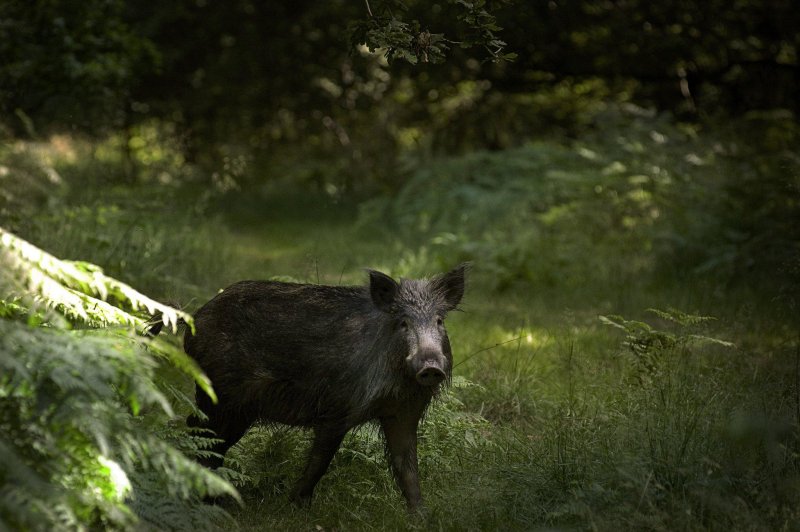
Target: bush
point(639, 198)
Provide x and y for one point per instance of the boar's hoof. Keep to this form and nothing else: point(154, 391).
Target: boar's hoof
point(301, 497)
point(430, 376)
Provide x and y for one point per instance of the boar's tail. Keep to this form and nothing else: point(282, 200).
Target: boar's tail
point(155, 324)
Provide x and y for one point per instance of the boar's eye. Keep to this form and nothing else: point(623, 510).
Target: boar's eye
point(439, 321)
point(404, 325)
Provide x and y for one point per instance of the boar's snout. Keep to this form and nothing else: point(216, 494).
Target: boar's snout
point(430, 370)
point(430, 376)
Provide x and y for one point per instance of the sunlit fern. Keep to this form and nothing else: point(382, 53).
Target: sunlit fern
point(79, 290)
point(88, 437)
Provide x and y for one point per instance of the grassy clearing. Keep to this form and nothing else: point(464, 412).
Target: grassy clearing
point(563, 425)
point(559, 420)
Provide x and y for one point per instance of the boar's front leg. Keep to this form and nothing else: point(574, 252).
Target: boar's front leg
point(401, 445)
point(326, 442)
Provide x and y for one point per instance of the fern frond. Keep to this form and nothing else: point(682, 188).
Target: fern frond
point(183, 362)
point(80, 289)
point(78, 407)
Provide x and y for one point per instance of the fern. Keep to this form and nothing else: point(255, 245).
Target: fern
point(651, 348)
point(87, 431)
point(79, 289)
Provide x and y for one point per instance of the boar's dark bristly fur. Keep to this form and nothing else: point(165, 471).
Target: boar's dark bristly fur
point(330, 358)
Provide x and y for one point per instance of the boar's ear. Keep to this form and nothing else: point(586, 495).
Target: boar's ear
point(382, 289)
point(451, 285)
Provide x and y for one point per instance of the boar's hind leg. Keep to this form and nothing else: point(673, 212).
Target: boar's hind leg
point(326, 442)
point(401, 446)
point(227, 427)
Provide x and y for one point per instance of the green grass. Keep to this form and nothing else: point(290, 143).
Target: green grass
point(562, 427)
point(558, 431)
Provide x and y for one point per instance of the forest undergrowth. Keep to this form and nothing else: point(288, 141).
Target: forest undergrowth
point(617, 365)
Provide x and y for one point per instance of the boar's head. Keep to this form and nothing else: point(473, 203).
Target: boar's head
point(416, 312)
